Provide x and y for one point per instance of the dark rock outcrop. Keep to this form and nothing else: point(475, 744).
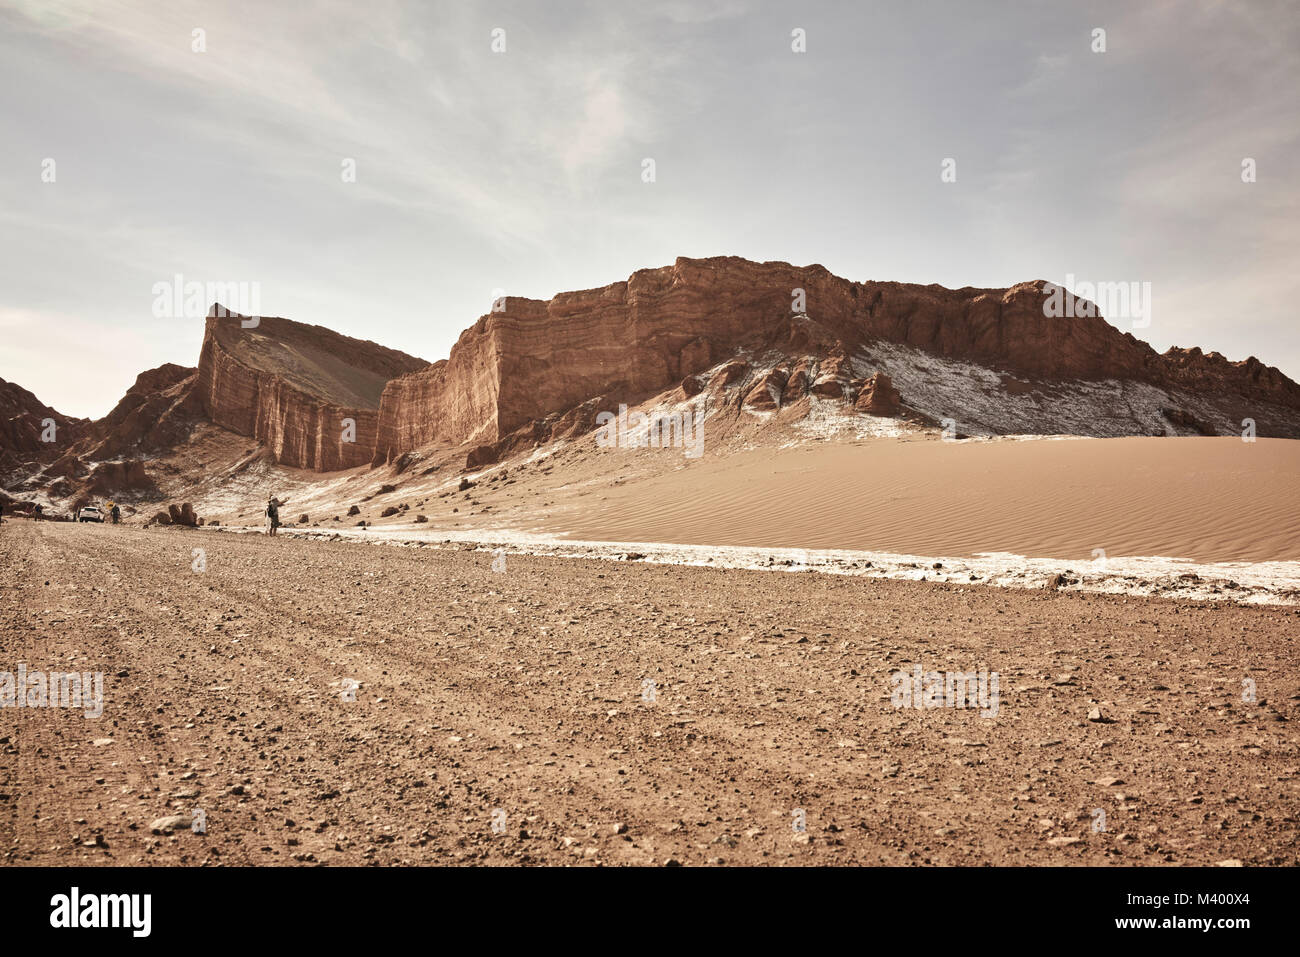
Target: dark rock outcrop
point(878, 396)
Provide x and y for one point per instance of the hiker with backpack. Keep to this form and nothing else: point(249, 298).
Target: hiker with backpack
point(273, 513)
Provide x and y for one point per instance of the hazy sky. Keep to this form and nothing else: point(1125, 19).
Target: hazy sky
point(522, 170)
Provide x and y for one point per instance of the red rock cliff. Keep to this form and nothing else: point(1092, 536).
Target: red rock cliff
point(292, 386)
point(535, 358)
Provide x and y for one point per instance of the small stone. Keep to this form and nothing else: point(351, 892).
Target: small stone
point(169, 823)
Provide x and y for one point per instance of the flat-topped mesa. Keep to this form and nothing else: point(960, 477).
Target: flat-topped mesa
point(535, 358)
point(308, 393)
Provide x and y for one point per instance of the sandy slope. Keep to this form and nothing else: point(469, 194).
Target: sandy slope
point(522, 691)
point(1209, 500)
point(1191, 517)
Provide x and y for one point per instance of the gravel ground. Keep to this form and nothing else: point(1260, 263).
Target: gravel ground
point(573, 711)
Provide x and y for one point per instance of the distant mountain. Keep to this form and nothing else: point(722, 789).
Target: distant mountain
point(25, 427)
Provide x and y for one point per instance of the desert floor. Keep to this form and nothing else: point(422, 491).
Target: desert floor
point(519, 697)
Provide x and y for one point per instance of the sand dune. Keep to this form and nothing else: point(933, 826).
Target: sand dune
point(1203, 499)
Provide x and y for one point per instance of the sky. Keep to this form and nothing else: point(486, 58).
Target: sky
point(212, 140)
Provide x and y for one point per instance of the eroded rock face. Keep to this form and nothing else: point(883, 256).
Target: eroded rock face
point(24, 424)
point(113, 478)
point(1211, 372)
point(1185, 420)
point(878, 396)
point(480, 456)
point(310, 394)
point(541, 370)
point(833, 377)
point(766, 394)
point(634, 338)
point(157, 412)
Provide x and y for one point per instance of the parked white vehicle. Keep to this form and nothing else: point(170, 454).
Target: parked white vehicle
point(91, 513)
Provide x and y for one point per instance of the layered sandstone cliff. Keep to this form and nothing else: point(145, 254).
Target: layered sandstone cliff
point(537, 358)
point(768, 335)
point(309, 394)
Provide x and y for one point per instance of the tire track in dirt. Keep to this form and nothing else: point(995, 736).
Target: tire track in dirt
point(772, 694)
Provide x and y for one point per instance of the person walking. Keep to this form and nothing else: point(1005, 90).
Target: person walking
point(116, 513)
point(273, 513)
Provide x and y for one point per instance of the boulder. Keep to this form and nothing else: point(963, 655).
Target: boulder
point(796, 387)
point(833, 376)
point(878, 396)
point(728, 374)
point(182, 514)
point(480, 456)
point(766, 394)
point(1185, 420)
point(115, 478)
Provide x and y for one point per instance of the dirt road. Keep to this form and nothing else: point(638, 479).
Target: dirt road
point(509, 717)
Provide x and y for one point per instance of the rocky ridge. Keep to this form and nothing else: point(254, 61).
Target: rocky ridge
point(741, 336)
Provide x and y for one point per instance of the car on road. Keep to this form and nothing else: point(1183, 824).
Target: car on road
point(91, 513)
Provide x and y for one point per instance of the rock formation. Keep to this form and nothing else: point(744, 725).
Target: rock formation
point(534, 359)
point(878, 396)
point(113, 478)
point(157, 412)
point(306, 392)
point(310, 395)
point(769, 335)
point(25, 424)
